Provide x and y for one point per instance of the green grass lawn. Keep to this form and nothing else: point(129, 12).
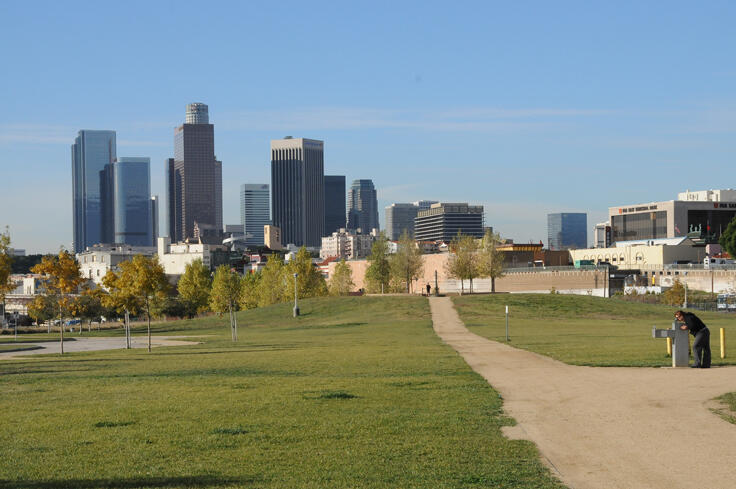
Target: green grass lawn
point(4, 347)
point(583, 330)
point(728, 411)
point(357, 392)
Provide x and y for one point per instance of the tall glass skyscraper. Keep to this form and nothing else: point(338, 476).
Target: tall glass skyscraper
point(298, 190)
point(254, 211)
point(194, 178)
point(132, 208)
point(334, 203)
point(92, 152)
point(567, 230)
point(362, 206)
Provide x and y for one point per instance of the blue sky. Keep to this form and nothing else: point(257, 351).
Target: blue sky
point(524, 107)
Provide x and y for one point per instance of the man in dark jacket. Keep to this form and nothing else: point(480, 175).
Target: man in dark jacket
point(701, 345)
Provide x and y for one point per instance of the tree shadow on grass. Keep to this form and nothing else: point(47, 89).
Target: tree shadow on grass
point(197, 481)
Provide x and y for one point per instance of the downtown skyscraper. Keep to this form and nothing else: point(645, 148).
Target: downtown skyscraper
point(362, 206)
point(297, 190)
point(194, 179)
point(92, 153)
point(254, 211)
point(132, 201)
point(334, 203)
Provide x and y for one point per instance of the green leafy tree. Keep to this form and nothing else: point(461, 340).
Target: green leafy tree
point(6, 268)
point(120, 299)
point(272, 282)
point(194, 288)
point(728, 238)
point(463, 261)
point(341, 282)
point(490, 258)
point(378, 274)
point(310, 281)
point(226, 290)
point(250, 291)
point(61, 277)
point(406, 264)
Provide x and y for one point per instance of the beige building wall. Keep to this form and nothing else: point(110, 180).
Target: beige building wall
point(641, 257)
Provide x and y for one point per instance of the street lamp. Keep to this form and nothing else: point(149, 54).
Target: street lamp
point(296, 303)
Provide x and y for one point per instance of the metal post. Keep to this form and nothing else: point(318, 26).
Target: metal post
point(723, 343)
point(436, 285)
point(507, 323)
point(296, 296)
point(684, 306)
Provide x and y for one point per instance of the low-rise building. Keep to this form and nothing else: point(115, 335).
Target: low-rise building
point(95, 261)
point(443, 222)
point(174, 257)
point(345, 245)
point(646, 254)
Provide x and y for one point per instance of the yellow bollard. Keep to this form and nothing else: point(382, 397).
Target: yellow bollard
point(723, 343)
point(669, 347)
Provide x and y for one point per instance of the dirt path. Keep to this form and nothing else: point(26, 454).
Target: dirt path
point(609, 428)
point(96, 344)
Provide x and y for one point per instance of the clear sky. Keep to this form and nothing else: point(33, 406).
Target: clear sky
point(524, 107)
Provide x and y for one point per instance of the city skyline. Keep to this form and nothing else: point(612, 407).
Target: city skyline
point(547, 124)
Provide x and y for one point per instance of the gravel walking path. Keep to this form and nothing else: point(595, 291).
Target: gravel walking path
point(96, 344)
point(597, 427)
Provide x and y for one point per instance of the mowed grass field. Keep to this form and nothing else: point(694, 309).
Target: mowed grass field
point(582, 330)
point(357, 392)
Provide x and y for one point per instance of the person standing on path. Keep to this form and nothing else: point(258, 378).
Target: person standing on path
point(429, 289)
point(701, 345)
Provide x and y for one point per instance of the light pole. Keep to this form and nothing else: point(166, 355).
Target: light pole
point(296, 296)
point(684, 306)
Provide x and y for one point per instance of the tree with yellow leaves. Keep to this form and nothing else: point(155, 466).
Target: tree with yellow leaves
point(61, 277)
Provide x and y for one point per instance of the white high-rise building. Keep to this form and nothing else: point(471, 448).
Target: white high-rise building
point(254, 211)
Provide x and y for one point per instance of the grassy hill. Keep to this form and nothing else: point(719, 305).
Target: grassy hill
point(357, 392)
point(583, 330)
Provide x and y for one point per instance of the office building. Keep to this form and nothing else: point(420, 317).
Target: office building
point(297, 190)
point(132, 201)
point(703, 215)
point(334, 203)
point(567, 230)
point(400, 218)
point(254, 211)
point(194, 179)
point(602, 235)
point(92, 151)
point(362, 206)
point(154, 219)
point(443, 222)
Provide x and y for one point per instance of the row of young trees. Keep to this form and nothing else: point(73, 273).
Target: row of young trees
point(393, 272)
point(472, 258)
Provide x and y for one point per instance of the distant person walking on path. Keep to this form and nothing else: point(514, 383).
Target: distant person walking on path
point(429, 289)
point(701, 345)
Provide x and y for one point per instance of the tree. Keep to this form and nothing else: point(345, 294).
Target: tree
point(310, 282)
point(194, 287)
point(341, 282)
point(61, 278)
point(378, 274)
point(249, 293)
point(490, 258)
point(140, 283)
point(88, 305)
point(271, 288)
point(406, 264)
point(226, 289)
point(42, 308)
point(463, 262)
point(120, 299)
point(6, 268)
point(675, 296)
point(728, 238)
